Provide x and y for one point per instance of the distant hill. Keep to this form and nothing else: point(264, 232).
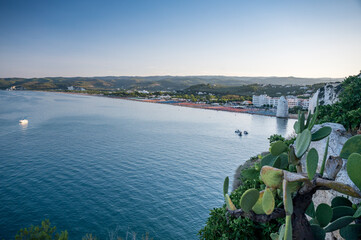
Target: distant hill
point(153, 83)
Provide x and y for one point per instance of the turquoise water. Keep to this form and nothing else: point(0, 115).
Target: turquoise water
point(96, 165)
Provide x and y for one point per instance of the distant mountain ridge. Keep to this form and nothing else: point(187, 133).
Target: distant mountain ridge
point(153, 83)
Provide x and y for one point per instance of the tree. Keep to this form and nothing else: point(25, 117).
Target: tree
point(282, 174)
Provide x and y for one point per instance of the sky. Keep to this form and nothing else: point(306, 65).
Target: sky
point(309, 38)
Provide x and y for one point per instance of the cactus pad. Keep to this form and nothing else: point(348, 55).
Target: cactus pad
point(340, 201)
point(323, 214)
point(288, 228)
point(351, 232)
point(229, 202)
point(272, 177)
point(312, 163)
point(257, 208)
point(268, 202)
point(352, 145)
point(268, 160)
point(292, 156)
point(341, 211)
point(249, 199)
point(278, 147)
point(339, 223)
point(281, 161)
point(297, 127)
point(353, 168)
point(287, 199)
point(321, 133)
point(303, 141)
point(225, 185)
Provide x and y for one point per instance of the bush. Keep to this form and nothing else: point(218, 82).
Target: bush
point(43, 232)
point(275, 137)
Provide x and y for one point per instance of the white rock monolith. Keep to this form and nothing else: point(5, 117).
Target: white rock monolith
point(282, 108)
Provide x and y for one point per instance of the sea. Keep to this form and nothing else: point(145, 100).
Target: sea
point(113, 167)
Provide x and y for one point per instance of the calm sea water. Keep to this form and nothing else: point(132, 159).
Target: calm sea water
point(94, 165)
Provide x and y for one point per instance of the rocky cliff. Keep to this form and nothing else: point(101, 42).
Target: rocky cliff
point(326, 95)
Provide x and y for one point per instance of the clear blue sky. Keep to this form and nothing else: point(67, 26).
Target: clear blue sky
point(236, 38)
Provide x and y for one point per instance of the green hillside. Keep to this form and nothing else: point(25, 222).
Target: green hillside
point(153, 83)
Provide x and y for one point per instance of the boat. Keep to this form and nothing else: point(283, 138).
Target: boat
point(237, 131)
point(240, 134)
point(245, 132)
point(23, 121)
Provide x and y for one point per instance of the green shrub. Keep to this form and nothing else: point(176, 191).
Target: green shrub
point(275, 137)
point(43, 232)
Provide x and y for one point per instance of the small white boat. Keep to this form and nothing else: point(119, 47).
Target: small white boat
point(23, 121)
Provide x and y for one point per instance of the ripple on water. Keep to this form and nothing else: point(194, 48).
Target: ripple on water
point(90, 164)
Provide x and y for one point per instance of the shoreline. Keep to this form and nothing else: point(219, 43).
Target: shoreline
point(253, 111)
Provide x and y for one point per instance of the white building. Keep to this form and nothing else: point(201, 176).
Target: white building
point(72, 88)
point(144, 91)
point(292, 101)
point(261, 100)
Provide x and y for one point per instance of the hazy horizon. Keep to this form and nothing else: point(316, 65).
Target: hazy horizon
point(145, 76)
point(306, 39)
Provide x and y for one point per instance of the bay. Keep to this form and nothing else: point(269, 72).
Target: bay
point(96, 165)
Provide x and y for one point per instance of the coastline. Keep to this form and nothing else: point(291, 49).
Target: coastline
point(255, 111)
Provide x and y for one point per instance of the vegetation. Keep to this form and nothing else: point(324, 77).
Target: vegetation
point(295, 109)
point(275, 138)
point(43, 232)
point(219, 226)
point(47, 232)
point(253, 89)
point(282, 174)
point(348, 110)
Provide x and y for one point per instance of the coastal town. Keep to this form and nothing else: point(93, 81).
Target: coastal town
point(257, 104)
